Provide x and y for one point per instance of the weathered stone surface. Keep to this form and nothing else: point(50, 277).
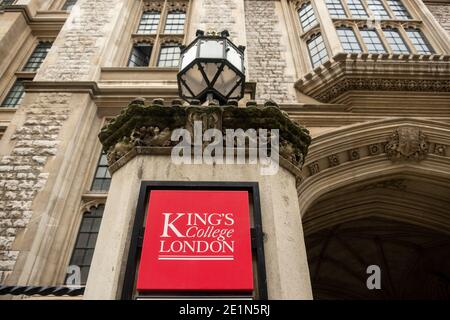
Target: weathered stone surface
point(88, 26)
point(441, 12)
point(218, 22)
point(151, 126)
point(266, 64)
point(21, 175)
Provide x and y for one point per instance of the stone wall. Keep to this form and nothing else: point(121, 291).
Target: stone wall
point(226, 20)
point(74, 55)
point(21, 172)
point(441, 12)
point(267, 65)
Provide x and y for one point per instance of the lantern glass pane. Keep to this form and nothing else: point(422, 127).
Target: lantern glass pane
point(236, 94)
point(210, 70)
point(226, 81)
point(211, 49)
point(234, 57)
point(195, 80)
point(185, 92)
point(189, 56)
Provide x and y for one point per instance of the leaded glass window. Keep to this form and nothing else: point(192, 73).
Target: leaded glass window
point(102, 179)
point(372, 41)
point(14, 96)
point(38, 56)
point(317, 50)
point(399, 9)
point(357, 9)
point(149, 22)
point(348, 40)
point(169, 55)
point(395, 41)
point(336, 9)
point(378, 9)
point(419, 41)
point(175, 22)
point(307, 16)
point(85, 244)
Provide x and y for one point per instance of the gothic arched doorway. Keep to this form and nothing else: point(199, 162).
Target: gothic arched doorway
point(400, 224)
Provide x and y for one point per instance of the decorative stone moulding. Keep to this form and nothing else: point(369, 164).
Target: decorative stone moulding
point(147, 129)
point(369, 74)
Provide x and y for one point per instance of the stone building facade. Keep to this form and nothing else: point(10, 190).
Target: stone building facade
point(369, 79)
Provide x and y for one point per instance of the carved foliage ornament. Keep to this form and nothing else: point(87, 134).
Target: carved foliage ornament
point(152, 126)
point(407, 143)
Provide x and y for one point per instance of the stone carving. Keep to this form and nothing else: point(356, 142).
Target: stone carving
point(151, 136)
point(407, 143)
point(120, 149)
point(394, 184)
point(314, 168)
point(153, 5)
point(439, 149)
point(288, 152)
point(147, 126)
point(374, 149)
point(354, 154)
point(333, 160)
point(350, 84)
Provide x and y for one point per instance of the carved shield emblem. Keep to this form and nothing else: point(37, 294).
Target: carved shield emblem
point(407, 143)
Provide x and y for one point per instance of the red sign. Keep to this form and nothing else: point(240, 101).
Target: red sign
point(196, 241)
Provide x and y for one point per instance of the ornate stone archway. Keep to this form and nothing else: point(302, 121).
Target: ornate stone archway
point(379, 194)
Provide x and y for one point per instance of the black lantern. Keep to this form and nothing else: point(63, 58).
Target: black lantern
point(212, 67)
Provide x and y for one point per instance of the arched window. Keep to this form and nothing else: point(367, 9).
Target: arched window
point(149, 22)
point(317, 50)
point(175, 22)
point(307, 16)
point(85, 244)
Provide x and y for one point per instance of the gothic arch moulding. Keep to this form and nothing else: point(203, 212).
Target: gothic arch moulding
point(376, 152)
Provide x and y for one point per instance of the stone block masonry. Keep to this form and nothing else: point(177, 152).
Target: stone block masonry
point(81, 41)
point(21, 172)
point(266, 63)
point(218, 22)
point(441, 12)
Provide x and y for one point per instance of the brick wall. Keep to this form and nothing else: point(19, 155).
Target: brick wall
point(21, 172)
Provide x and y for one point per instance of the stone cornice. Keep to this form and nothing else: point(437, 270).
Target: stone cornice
point(141, 129)
point(374, 73)
point(43, 23)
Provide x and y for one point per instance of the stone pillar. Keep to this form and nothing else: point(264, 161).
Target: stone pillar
point(143, 156)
